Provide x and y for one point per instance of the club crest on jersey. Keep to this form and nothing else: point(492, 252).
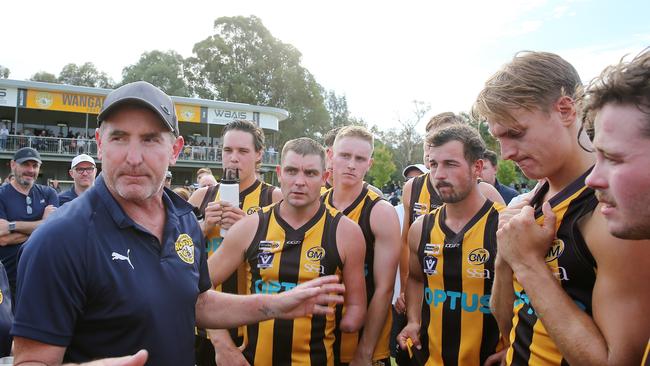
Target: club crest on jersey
point(265, 260)
point(185, 248)
point(555, 251)
point(430, 264)
point(432, 249)
point(252, 210)
point(420, 209)
point(268, 245)
point(315, 254)
point(478, 256)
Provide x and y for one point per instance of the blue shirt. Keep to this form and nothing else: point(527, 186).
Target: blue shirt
point(13, 207)
point(506, 192)
point(67, 196)
point(94, 281)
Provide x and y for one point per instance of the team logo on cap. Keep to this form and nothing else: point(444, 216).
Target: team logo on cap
point(185, 248)
point(43, 99)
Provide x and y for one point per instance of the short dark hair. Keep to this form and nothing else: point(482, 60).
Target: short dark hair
point(247, 126)
point(473, 145)
point(304, 146)
point(491, 156)
point(623, 83)
point(330, 136)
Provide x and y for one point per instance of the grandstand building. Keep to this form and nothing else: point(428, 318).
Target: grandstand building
point(60, 120)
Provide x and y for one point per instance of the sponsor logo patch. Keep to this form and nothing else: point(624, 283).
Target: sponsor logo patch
point(478, 256)
point(430, 264)
point(315, 254)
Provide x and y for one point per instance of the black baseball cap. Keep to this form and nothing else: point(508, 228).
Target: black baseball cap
point(144, 94)
point(26, 154)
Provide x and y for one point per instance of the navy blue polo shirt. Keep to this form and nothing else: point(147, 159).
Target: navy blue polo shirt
point(92, 280)
point(67, 196)
point(13, 207)
point(506, 192)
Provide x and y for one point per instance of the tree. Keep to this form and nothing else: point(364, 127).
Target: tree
point(482, 128)
point(243, 62)
point(84, 75)
point(337, 107)
point(382, 167)
point(4, 72)
point(45, 77)
point(162, 69)
point(507, 172)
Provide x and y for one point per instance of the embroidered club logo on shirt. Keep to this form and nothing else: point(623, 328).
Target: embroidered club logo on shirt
point(185, 248)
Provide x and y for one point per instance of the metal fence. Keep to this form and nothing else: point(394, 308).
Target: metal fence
point(73, 147)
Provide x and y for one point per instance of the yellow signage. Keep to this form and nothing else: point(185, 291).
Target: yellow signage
point(62, 101)
point(188, 113)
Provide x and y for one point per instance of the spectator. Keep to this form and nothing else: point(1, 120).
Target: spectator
point(489, 175)
point(4, 134)
point(24, 205)
point(82, 171)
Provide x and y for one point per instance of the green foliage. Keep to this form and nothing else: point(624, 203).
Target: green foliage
point(482, 128)
point(243, 62)
point(84, 75)
point(507, 172)
point(382, 167)
point(4, 72)
point(162, 69)
point(337, 107)
point(45, 77)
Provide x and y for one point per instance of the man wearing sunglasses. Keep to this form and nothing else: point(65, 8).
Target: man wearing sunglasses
point(23, 206)
point(82, 171)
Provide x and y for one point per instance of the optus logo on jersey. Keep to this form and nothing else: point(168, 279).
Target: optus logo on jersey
point(467, 302)
point(272, 287)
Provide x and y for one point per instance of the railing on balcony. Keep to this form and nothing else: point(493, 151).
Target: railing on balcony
point(73, 147)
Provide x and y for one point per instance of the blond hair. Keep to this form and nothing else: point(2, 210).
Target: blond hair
point(359, 132)
point(532, 80)
point(442, 119)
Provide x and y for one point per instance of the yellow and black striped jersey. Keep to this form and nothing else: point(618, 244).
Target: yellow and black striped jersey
point(424, 198)
point(359, 212)
point(573, 265)
point(646, 357)
point(458, 270)
point(252, 199)
point(280, 258)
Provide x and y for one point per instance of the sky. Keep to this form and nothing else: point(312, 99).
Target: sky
point(382, 55)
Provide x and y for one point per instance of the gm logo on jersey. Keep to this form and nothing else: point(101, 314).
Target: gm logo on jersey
point(315, 254)
point(430, 264)
point(264, 260)
point(555, 251)
point(478, 256)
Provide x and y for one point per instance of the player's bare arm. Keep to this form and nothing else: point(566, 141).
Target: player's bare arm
point(414, 288)
point(351, 246)
point(385, 227)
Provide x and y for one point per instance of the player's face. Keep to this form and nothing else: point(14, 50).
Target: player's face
point(453, 177)
point(239, 153)
point(301, 178)
point(621, 176)
point(26, 172)
point(489, 172)
point(83, 174)
point(351, 160)
point(136, 150)
point(539, 145)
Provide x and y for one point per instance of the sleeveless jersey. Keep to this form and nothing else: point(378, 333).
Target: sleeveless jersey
point(458, 269)
point(359, 212)
point(573, 265)
point(258, 195)
point(646, 357)
point(424, 198)
point(279, 258)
